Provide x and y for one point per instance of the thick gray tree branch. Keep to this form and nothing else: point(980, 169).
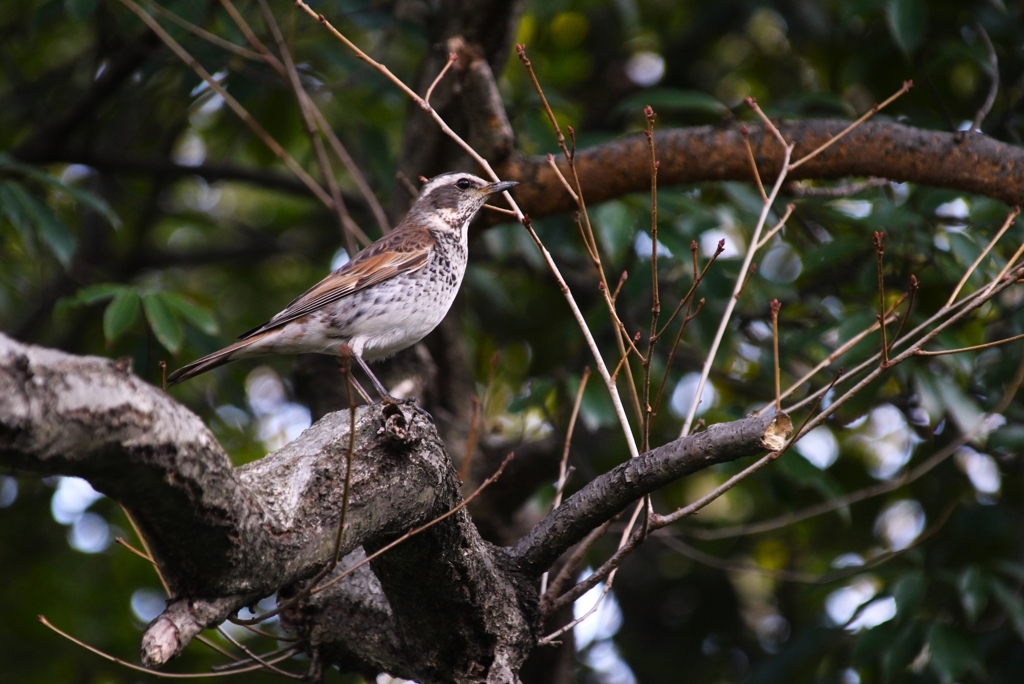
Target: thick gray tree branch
point(443, 606)
point(607, 495)
point(225, 537)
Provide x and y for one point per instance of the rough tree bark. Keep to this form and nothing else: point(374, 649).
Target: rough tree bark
point(443, 606)
point(973, 163)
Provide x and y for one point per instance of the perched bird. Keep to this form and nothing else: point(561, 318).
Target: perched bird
point(387, 298)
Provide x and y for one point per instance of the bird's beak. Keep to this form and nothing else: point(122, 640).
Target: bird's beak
point(501, 186)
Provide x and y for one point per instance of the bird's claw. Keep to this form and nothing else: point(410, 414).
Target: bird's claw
point(387, 399)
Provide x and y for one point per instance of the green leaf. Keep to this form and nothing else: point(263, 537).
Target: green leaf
point(672, 99)
point(79, 9)
point(830, 255)
point(940, 396)
point(49, 228)
point(197, 316)
point(99, 292)
point(162, 320)
point(908, 21)
point(908, 591)
point(1011, 603)
point(1014, 570)
point(616, 227)
point(952, 653)
point(79, 195)
point(11, 207)
point(973, 586)
point(902, 650)
point(121, 313)
point(87, 295)
point(805, 473)
point(873, 641)
point(540, 388)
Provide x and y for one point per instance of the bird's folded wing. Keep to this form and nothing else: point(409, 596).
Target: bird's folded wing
point(382, 261)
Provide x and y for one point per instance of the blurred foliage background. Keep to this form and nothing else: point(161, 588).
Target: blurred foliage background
point(159, 227)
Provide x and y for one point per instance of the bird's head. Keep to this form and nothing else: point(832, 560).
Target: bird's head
point(455, 198)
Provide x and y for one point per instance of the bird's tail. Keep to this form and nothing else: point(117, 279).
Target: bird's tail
point(211, 361)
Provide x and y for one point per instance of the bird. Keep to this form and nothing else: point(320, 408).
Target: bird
point(386, 298)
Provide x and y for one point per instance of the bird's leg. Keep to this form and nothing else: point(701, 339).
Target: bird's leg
point(384, 394)
point(363, 394)
point(346, 369)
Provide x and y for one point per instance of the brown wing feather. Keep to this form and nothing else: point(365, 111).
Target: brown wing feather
point(401, 251)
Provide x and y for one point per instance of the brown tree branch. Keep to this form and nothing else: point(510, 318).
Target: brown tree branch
point(978, 164)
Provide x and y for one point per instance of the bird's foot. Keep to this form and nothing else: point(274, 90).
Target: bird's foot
point(387, 400)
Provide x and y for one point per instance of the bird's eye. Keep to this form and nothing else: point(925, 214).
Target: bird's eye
point(463, 184)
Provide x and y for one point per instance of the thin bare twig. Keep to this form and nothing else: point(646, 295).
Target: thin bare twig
point(911, 294)
point(140, 554)
point(652, 340)
point(844, 189)
point(147, 554)
point(243, 661)
point(202, 33)
point(565, 183)
point(874, 490)
point(618, 288)
point(932, 334)
point(577, 314)
point(842, 349)
point(563, 473)
point(345, 222)
point(499, 210)
point(586, 229)
point(232, 103)
point(620, 554)
point(573, 562)
point(675, 346)
point(778, 226)
point(775, 306)
point(698, 277)
point(753, 163)
point(259, 659)
point(452, 57)
point(873, 360)
point(629, 543)
point(803, 577)
point(752, 103)
point(311, 586)
point(595, 577)
point(339, 149)
point(988, 248)
point(907, 85)
point(560, 489)
point(993, 89)
point(1009, 264)
point(740, 282)
point(158, 673)
point(944, 352)
point(467, 454)
point(662, 520)
point(879, 252)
